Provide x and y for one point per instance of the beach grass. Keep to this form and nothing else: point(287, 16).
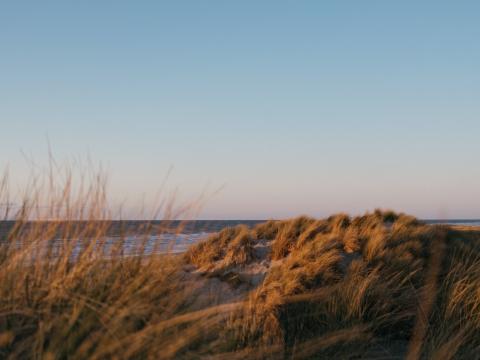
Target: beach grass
point(378, 286)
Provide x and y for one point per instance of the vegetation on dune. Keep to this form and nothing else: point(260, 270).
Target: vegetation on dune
point(397, 287)
point(382, 285)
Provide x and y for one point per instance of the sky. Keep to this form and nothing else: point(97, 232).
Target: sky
point(285, 107)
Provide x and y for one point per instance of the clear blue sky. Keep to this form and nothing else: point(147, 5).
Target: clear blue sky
point(296, 106)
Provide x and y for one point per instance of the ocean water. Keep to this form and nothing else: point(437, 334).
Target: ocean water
point(458, 222)
point(126, 238)
point(140, 238)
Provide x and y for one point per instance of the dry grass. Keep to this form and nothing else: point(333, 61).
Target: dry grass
point(399, 288)
point(83, 298)
point(382, 285)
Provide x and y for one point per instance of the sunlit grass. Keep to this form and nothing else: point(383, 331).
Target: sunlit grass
point(382, 285)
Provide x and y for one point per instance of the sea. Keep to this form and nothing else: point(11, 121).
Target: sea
point(174, 237)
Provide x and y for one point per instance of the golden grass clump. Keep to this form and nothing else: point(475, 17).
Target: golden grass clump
point(231, 246)
point(288, 235)
point(385, 273)
point(240, 250)
point(269, 229)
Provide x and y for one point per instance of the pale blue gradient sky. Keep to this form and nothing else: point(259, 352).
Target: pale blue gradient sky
point(296, 106)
